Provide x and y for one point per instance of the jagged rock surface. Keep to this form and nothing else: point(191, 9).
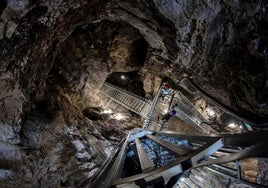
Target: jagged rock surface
point(55, 55)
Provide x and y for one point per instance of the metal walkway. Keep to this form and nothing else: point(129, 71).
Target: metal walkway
point(129, 100)
point(185, 109)
point(170, 159)
point(188, 112)
point(188, 85)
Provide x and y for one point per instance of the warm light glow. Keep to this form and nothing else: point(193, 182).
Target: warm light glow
point(232, 125)
point(119, 116)
point(107, 111)
point(123, 77)
point(211, 112)
point(165, 111)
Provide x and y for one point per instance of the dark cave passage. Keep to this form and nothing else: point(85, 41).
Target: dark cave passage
point(130, 81)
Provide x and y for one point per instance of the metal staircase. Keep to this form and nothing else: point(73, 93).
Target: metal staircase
point(185, 109)
point(170, 159)
point(129, 100)
point(188, 112)
point(193, 90)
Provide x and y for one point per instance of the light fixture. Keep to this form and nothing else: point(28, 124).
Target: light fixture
point(211, 113)
point(107, 111)
point(182, 179)
point(123, 77)
point(119, 116)
point(165, 111)
point(232, 125)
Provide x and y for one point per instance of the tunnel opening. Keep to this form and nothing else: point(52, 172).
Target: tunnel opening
point(130, 81)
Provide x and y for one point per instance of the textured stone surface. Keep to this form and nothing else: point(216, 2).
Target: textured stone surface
point(55, 55)
point(10, 155)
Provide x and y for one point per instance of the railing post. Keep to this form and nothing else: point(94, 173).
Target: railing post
point(154, 103)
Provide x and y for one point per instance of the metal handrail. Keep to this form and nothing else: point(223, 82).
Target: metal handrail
point(189, 120)
point(114, 89)
point(154, 103)
point(226, 109)
point(199, 157)
point(126, 92)
point(192, 107)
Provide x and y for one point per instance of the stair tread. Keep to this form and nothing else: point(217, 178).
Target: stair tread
point(190, 183)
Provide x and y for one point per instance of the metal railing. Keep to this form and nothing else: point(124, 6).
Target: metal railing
point(188, 85)
point(155, 101)
point(129, 100)
point(188, 161)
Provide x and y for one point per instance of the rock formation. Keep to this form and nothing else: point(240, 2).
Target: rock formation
point(55, 55)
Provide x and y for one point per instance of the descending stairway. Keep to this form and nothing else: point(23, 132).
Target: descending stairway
point(185, 109)
point(193, 90)
point(170, 159)
point(188, 112)
point(129, 100)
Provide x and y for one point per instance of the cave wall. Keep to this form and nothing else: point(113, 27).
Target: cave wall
point(221, 45)
point(55, 55)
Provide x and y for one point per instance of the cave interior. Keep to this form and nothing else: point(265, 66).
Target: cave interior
point(57, 128)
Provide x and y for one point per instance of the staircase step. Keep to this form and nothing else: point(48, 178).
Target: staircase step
point(225, 170)
point(190, 183)
point(200, 181)
point(218, 172)
point(182, 185)
point(229, 150)
point(207, 177)
point(233, 164)
point(141, 107)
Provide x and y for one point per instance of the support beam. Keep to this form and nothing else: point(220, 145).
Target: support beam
point(145, 162)
point(238, 168)
point(173, 148)
point(205, 151)
point(117, 165)
point(142, 180)
point(241, 140)
point(106, 106)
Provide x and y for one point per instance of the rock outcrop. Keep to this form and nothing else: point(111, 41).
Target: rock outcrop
point(55, 55)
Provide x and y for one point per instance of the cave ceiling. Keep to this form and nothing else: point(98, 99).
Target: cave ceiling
point(76, 45)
